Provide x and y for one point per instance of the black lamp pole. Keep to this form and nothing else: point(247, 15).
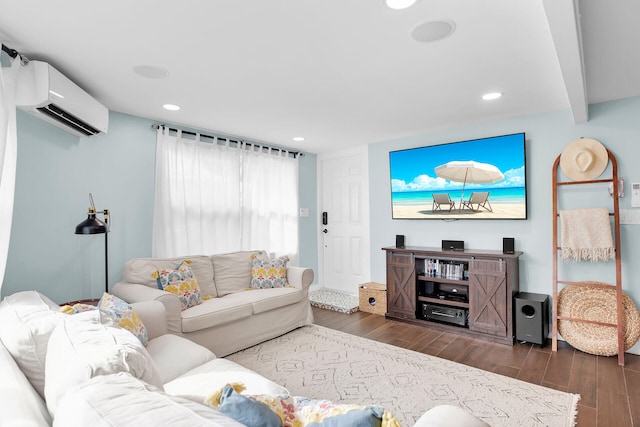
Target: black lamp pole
point(93, 225)
point(106, 255)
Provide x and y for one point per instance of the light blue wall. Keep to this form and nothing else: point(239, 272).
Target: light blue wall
point(308, 226)
point(615, 124)
point(56, 171)
point(55, 174)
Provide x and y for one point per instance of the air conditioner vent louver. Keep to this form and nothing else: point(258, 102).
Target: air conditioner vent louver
point(46, 93)
point(68, 119)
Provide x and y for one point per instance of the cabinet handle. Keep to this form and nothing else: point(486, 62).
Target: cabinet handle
point(401, 255)
point(500, 262)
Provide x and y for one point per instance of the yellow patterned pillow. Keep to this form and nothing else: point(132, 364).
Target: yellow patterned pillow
point(122, 315)
point(180, 281)
point(266, 273)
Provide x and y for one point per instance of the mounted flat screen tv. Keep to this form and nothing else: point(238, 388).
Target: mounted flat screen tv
point(478, 179)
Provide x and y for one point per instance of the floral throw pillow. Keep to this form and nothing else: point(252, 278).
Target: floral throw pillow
point(77, 308)
point(122, 315)
point(298, 411)
point(268, 273)
point(180, 281)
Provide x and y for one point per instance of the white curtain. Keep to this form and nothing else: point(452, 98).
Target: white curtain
point(215, 198)
point(197, 196)
point(270, 201)
point(8, 156)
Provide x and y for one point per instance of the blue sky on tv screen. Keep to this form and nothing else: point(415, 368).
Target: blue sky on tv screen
point(414, 169)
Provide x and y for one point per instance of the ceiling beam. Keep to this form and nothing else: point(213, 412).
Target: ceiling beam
point(563, 17)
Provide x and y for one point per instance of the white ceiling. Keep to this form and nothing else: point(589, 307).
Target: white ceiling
point(340, 73)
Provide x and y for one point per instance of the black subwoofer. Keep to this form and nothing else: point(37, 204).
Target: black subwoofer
point(532, 317)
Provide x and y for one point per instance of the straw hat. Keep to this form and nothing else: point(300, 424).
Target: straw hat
point(599, 304)
point(584, 159)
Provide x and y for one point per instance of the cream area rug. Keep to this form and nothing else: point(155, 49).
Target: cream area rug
point(321, 363)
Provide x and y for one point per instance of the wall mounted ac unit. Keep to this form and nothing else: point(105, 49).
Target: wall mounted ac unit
point(46, 93)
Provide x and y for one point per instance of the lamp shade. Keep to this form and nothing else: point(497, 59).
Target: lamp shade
point(91, 225)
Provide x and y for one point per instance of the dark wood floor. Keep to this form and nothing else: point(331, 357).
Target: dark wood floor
point(610, 394)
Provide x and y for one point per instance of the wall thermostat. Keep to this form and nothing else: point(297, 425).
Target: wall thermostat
point(635, 195)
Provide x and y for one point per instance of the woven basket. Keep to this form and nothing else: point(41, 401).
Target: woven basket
point(373, 298)
point(598, 304)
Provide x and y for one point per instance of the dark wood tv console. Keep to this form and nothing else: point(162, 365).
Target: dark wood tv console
point(467, 292)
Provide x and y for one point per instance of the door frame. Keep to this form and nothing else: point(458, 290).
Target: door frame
point(358, 151)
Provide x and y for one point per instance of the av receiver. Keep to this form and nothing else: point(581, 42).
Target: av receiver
point(453, 315)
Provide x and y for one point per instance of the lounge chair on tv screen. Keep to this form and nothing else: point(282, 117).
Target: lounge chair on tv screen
point(480, 199)
point(442, 199)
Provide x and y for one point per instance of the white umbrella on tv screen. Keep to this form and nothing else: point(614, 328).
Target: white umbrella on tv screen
point(468, 171)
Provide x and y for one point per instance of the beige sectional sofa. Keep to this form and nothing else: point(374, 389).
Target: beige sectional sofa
point(235, 317)
point(78, 370)
point(64, 370)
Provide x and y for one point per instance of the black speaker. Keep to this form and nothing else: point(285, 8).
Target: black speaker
point(426, 289)
point(508, 245)
point(532, 317)
point(399, 240)
point(453, 245)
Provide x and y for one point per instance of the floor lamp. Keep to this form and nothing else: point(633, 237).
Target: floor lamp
point(93, 225)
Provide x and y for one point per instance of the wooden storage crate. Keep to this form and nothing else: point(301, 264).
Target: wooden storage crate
point(373, 298)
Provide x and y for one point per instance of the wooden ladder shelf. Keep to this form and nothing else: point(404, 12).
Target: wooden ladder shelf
point(619, 325)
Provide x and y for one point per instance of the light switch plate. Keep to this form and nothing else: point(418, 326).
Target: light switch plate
point(629, 216)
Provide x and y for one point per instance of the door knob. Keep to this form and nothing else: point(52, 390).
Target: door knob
point(325, 231)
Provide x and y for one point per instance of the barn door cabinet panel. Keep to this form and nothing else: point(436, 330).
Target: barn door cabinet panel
point(491, 296)
point(401, 285)
point(479, 285)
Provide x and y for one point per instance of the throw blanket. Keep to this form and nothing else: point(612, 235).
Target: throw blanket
point(586, 235)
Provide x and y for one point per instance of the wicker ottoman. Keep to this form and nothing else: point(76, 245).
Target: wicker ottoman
point(598, 304)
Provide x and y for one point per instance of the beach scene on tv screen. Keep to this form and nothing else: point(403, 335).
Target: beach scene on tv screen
point(478, 179)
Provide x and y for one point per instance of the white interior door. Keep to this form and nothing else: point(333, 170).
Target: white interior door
point(345, 258)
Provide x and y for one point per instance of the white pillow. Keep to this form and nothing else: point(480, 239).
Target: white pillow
point(449, 416)
point(174, 355)
point(122, 400)
point(232, 271)
point(26, 322)
point(21, 404)
point(200, 382)
point(81, 348)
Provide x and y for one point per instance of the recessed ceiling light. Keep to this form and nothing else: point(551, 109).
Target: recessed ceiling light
point(491, 95)
point(171, 107)
point(399, 4)
point(432, 31)
point(151, 72)
point(298, 138)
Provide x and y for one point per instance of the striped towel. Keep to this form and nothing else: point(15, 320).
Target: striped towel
point(586, 235)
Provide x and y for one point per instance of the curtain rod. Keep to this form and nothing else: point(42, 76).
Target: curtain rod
point(295, 154)
point(14, 53)
point(11, 52)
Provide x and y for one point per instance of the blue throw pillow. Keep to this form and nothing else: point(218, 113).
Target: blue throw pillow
point(246, 410)
point(370, 416)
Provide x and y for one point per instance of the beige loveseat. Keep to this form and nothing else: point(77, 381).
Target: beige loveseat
point(236, 317)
